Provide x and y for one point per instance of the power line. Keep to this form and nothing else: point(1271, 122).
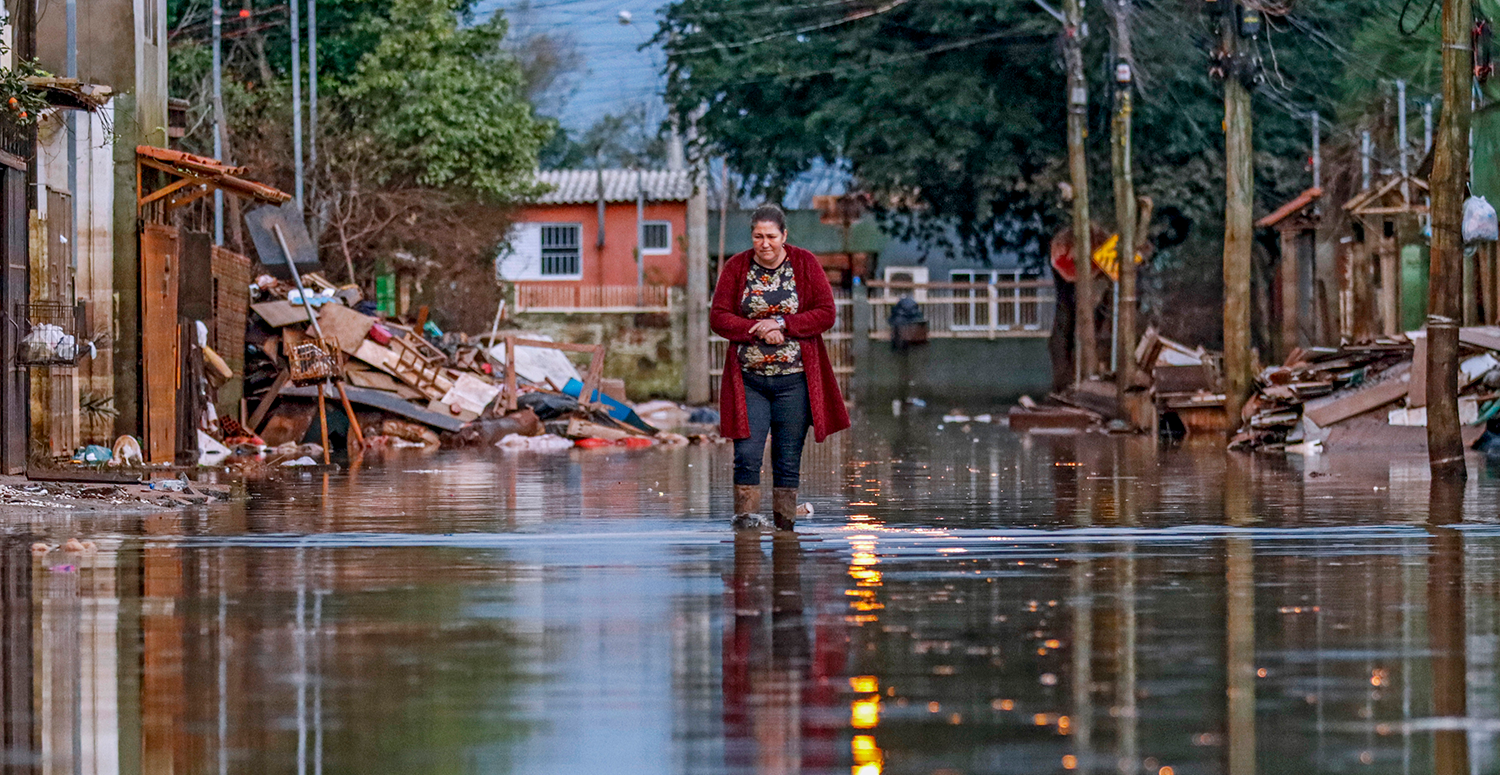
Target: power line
point(888, 7)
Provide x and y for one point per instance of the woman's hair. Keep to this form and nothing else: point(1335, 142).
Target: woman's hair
point(769, 214)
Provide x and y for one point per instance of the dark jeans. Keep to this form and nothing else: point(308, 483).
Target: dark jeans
point(777, 405)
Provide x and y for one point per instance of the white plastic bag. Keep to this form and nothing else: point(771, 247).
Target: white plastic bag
point(1480, 223)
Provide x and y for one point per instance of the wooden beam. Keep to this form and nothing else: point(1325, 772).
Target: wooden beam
point(168, 190)
point(177, 202)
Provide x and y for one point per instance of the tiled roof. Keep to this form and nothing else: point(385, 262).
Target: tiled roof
point(580, 186)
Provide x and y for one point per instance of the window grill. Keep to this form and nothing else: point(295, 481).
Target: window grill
point(656, 237)
point(560, 250)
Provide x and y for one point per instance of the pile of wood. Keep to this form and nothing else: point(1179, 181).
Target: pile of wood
point(409, 383)
point(1367, 394)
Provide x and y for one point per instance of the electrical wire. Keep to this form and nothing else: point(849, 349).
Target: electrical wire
point(1401, 21)
point(887, 8)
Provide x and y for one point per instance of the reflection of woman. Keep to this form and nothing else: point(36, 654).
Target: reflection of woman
point(764, 683)
point(773, 304)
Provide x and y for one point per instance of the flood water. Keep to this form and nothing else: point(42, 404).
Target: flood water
point(964, 600)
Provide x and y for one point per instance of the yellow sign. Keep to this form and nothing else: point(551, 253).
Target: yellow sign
point(1107, 256)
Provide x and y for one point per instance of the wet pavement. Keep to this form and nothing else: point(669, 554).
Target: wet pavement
point(964, 600)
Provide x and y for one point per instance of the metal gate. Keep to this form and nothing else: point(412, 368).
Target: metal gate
point(15, 386)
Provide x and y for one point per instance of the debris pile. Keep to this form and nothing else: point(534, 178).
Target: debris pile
point(1368, 394)
point(169, 493)
point(408, 383)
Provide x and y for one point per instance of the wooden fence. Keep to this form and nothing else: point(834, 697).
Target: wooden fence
point(546, 297)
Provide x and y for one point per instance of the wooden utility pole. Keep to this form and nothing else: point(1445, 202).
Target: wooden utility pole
point(1120, 159)
point(1078, 171)
point(1239, 190)
point(1450, 170)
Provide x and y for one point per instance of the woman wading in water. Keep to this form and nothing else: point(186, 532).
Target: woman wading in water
point(773, 304)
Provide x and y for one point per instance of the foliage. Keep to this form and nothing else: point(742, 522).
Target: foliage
point(424, 133)
point(446, 101)
point(954, 108)
point(20, 104)
point(625, 140)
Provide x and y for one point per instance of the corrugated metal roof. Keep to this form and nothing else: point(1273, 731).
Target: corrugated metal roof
point(580, 186)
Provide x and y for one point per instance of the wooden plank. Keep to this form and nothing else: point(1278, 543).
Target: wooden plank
point(377, 355)
point(282, 378)
point(374, 380)
point(280, 313)
point(1487, 337)
point(159, 340)
point(345, 326)
point(1327, 411)
point(1417, 395)
point(386, 402)
point(84, 475)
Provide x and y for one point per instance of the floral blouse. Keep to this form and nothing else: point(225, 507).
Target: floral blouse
point(770, 293)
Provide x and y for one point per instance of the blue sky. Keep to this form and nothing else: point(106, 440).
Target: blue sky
point(616, 75)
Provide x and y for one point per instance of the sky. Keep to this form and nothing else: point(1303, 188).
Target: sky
point(616, 75)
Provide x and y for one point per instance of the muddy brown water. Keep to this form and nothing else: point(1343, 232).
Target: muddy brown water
point(964, 600)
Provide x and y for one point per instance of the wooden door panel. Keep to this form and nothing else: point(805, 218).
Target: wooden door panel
point(160, 246)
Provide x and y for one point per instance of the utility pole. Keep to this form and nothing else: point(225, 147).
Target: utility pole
point(296, 25)
point(640, 235)
point(1239, 191)
point(1445, 449)
point(1366, 149)
point(698, 388)
point(1401, 139)
point(218, 98)
point(1120, 159)
point(312, 113)
point(1427, 127)
point(1317, 150)
point(1078, 172)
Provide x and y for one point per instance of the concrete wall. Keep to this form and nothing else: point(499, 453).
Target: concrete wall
point(954, 373)
point(646, 350)
point(121, 44)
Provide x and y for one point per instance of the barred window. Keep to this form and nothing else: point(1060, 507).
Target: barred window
point(561, 256)
point(656, 237)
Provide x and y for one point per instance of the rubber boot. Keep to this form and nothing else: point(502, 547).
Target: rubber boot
point(746, 504)
point(784, 507)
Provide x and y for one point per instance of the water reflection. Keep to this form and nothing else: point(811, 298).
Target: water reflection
point(963, 601)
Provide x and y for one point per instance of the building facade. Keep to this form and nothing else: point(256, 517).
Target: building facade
point(577, 244)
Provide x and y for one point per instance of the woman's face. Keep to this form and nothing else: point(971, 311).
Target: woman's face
point(768, 239)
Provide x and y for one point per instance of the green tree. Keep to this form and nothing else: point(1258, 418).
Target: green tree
point(954, 108)
point(425, 135)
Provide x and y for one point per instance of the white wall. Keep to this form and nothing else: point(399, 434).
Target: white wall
point(523, 259)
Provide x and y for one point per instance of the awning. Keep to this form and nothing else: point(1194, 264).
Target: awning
point(70, 92)
point(1290, 208)
point(195, 177)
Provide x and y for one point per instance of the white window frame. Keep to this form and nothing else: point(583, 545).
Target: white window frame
point(542, 274)
point(918, 275)
point(662, 251)
point(1006, 309)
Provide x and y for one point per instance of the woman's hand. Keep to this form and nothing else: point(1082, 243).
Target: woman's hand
point(764, 327)
point(775, 337)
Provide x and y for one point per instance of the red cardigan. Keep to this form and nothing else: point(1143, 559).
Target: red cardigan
point(815, 314)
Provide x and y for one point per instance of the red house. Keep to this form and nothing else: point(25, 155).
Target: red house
point(576, 246)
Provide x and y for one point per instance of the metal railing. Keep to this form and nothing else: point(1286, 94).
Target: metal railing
point(1007, 308)
point(549, 297)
